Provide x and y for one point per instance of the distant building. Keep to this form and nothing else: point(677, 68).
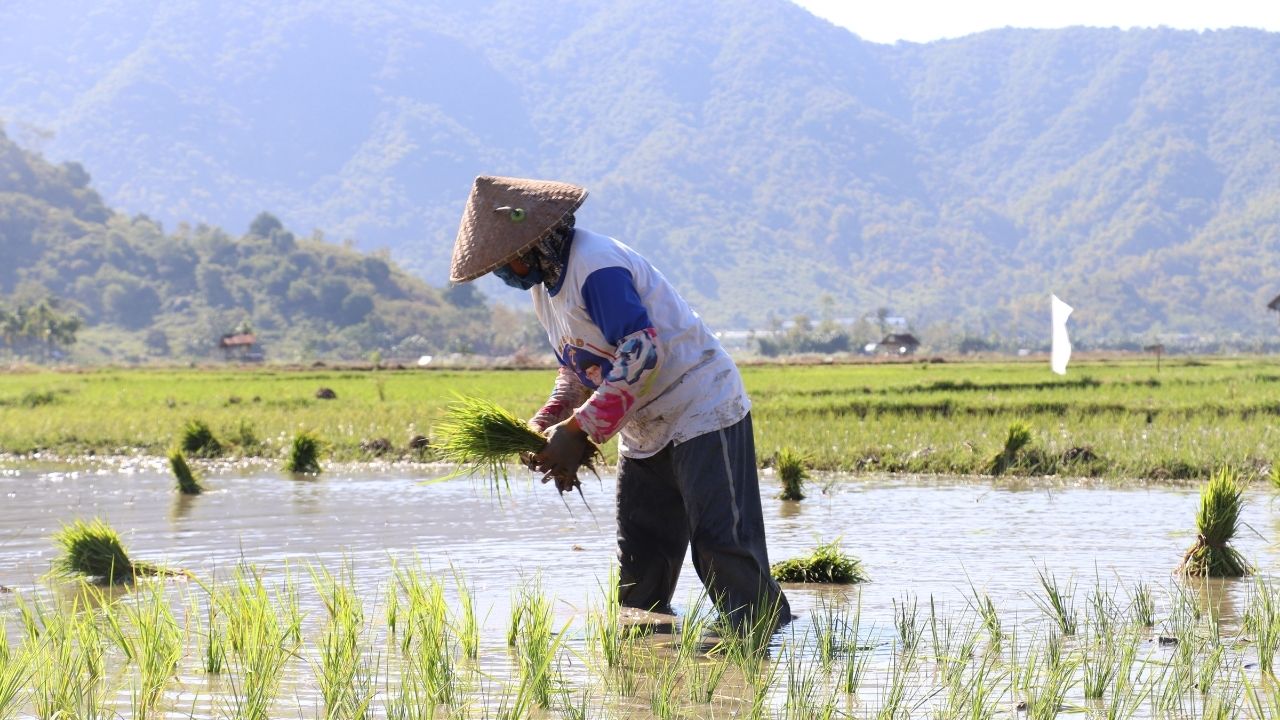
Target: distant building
point(899, 344)
point(241, 347)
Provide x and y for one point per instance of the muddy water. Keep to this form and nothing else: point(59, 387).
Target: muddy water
point(915, 536)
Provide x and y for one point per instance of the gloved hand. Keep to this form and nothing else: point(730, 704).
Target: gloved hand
point(565, 450)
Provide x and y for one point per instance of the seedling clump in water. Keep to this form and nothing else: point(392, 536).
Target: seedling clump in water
point(825, 565)
point(304, 454)
point(1221, 500)
point(94, 549)
point(791, 473)
point(197, 440)
point(188, 484)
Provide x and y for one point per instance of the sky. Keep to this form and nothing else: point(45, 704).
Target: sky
point(927, 20)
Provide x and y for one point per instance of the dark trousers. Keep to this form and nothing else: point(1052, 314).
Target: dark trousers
point(705, 491)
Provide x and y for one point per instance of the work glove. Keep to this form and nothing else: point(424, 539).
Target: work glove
point(567, 446)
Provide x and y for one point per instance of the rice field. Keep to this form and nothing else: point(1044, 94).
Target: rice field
point(1111, 419)
point(380, 596)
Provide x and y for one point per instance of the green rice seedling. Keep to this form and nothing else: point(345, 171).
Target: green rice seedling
point(1128, 692)
point(1058, 603)
point(1218, 519)
point(986, 609)
point(214, 641)
point(16, 672)
point(1101, 612)
point(343, 675)
point(802, 687)
point(66, 668)
point(156, 645)
point(1263, 697)
point(1046, 697)
point(894, 704)
point(481, 438)
point(856, 658)
point(93, 549)
point(662, 697)
point(1019, 437)
point(792, 473)
point(705, 677)
point(828, 624)
point(604, 626)
point(260, 645)
point(1210, 663)
point(534, 645)
point(1053, 655)
point(906, 620)
point(467, 627)
point(571, 710)
point(393, 604)
point(188, 484)
point(1142, 607)
point(1262, 620)
point(427, 642)
point(1099, 662)
point(304, 454)
point(197, 440)
point(826, 564)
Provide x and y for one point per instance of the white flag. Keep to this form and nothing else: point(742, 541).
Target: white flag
point(1061, 343)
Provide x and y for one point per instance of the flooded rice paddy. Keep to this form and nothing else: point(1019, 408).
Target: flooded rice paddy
point(935, 549)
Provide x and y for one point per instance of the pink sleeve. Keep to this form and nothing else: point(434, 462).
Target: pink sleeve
point(567, 394)
point(630, 382)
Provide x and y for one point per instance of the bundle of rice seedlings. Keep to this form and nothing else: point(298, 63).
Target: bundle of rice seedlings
point(825, 565)
point(187, 482)
point(94, 549)
point(482, 438)
point(304, 453)
point(1019, 437)
point(1217, 521)
point(792, 474)
point(197, 440)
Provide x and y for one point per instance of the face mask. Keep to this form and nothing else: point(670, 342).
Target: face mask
point(509, 276)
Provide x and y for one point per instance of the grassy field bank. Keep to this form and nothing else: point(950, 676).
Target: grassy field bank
point(1105, 419)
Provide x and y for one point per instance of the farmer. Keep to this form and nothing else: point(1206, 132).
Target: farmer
point(635, 362)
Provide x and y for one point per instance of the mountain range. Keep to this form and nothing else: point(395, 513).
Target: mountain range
point(770, 163)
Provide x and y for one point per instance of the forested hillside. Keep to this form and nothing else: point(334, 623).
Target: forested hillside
point(764, 158)
point(140, 291)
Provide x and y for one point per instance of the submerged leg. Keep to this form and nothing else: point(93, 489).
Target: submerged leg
point(717, 477)
point(653, 533)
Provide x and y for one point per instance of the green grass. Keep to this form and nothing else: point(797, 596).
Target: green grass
point(826, 564)
point(1113, 419)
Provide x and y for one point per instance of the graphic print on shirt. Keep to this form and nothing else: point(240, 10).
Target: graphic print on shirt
point(591, 368)
point(605, 411)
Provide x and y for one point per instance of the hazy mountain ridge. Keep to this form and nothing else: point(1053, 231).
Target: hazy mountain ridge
point(761, 156)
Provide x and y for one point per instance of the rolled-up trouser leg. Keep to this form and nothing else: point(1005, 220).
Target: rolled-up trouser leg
point(716, 473)
point(653, 532)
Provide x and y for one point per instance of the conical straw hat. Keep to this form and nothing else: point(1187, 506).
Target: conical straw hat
point(505, 217)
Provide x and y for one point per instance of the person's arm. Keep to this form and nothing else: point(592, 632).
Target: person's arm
point(614, 306)
point(566, 395)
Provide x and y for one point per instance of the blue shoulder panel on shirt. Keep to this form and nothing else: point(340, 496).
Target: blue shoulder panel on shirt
point(613, 303)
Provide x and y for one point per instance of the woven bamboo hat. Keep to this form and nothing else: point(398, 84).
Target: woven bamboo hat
point(505, 217)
